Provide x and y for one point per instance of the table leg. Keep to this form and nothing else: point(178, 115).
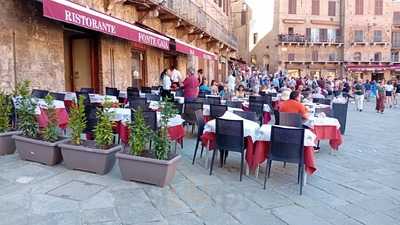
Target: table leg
point(305, 178)
point(206, 157)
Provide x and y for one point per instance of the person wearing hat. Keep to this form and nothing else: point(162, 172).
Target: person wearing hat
point(293, 105)
point(191, 85)
point(284, 97)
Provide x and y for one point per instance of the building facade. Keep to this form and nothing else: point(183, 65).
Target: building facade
point(69, 44)
point(334, 38)
point(242, 16)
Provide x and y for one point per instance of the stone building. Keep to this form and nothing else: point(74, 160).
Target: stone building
point(66, 45)
point(333, 38)
point(242, 16)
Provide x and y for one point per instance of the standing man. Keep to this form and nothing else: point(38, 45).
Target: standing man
point(367, 88)
point(359, 95)
point(176, 76)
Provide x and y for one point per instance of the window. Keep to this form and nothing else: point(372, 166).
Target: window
point(359, 7)
point(358, 36)
point(314, 55)
point(378, 57)
point(323, 35)
point(255, 38)
point(290, 30)
point(378, 7)
point(315, 7)
point(292, 6)
point(243, 18)
point(338, 35)
point(377, 36)
point(332, 8)
point(308, 34)
point(396, 18)
point(291, 57)
point(395, 57)
point(357, 56)
point(396, 40)
point(332, 57)
point(314, 35)
point(220, 3)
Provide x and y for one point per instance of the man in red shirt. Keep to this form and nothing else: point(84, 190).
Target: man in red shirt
point(191, 85)
point(293, 105)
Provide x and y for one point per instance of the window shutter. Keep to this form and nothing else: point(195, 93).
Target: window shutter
point(359, 7)
point(315, 7)
point(308, 34)
point(378, 7)
point(292, 6)
point(332, 8)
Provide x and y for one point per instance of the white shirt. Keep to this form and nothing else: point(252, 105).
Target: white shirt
point(389, 87)
point(231, 82)
point(176, 76)
point(166, 83)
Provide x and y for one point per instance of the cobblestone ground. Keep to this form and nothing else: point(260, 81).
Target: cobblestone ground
point(358, 185)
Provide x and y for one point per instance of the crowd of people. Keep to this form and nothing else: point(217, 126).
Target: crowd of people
point(241, 83)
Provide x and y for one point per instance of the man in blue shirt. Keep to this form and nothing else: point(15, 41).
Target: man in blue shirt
point(367, 88)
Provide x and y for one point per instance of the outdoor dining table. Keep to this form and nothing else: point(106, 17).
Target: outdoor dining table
point(122, 116)
point(326, 128)
point(42, 116)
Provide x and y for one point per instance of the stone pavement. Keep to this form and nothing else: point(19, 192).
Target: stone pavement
point(360, 184)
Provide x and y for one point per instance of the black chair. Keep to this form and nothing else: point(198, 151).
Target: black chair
point(268, 100)
point(276, 115)
point(36, 93)
point(203, 94)
point(324, 101)
point(153, 97)
point(91, 117)
point(217, 110)
point(273, 94)
point(137, 103)
point(58, 96)
point(146, 90)
point(88, 90)
point(248, 115)
point(257, 107)
point(155, 88)
point(132, 92)
point(257, 99)
point(287, 145)
point(179, 107)
point(200, 128)
point(85, 96)
point(234, 104)
point(339, 112)
point(290, 119)
point(189, 112)
point(150, 119)
point(213, 100)
point(198, 99)
point(230, 138)
point(112, 91)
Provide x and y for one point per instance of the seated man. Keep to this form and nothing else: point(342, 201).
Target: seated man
point(293, 105)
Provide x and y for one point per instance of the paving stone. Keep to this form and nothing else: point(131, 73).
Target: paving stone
point(45, 204)
point(184, 219)
point(76, 190)
point(143, 213)
point(216, 216)
point(167, 202)
point(296, 215)
point(63, 218)
point(100, 215)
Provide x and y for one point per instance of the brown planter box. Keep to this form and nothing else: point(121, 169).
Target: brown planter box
point(38, 151)
point(99, 161)
point(147, 170)
point(7, 144)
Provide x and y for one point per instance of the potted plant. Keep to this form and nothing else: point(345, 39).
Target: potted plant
point(154, 167)
point(7, 144)
point(98, 155)
point(34, 144)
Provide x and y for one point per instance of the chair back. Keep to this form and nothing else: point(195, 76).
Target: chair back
point(257, 107)
point(190, 109)
point(112, 91)
point(199, 122)
point(273, 94)
point(203, 94)
point(325, 101)
point(213, 100)
point(88, 90)
point(37, 93)
point(339, 112)
point(234, 104)
point(229, 135)
point(132, 92)
point(153, 97)
point(150, 119)
point(287, 144)
point(58, 96)
point(217, 110)
point(85, 96)
point(91, 116)
point(256, 98)
point(199, 99)
point(248, 115)
point(276, 115)
point(146, 90)
point(290, 119)
point(268, 100)
point(137, 103)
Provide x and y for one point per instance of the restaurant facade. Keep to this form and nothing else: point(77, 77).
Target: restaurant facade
point(66, 45)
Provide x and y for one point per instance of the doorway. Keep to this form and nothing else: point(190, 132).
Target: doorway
point(138, 77)
point(377, 76)
point(81, 60)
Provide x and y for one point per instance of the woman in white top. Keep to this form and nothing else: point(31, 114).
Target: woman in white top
point(389, 88)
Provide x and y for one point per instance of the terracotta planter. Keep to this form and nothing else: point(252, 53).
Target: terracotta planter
point(99, 161)
point(38, 151)
point(147, 170)
point(7, 144)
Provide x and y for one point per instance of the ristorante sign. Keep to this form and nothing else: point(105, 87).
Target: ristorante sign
point(78, 15)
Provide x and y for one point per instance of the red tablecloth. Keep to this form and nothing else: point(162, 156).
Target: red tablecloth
point(256, 153)
point(62, 118)
point(331, 133)
point(176, 133)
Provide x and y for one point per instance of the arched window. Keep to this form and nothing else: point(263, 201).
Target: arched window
point(357, 56)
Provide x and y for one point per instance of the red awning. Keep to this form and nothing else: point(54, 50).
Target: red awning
point(365, 68)
point(185, 48)
point(72, 13)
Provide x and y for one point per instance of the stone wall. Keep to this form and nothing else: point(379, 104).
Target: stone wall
point(39, 50)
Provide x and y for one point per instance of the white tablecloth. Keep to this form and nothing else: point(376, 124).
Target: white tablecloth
point(96, 98)
point(322, 121)
point(264, 134)
point(250, 128)
point(206, 110)
point(69, 96)
point(124, 115)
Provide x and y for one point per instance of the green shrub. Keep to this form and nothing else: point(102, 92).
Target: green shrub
point(26, 111)
point(103, 132)
point(50, 132)
point(77, 121)
point(140, 134)
point(5, 112)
